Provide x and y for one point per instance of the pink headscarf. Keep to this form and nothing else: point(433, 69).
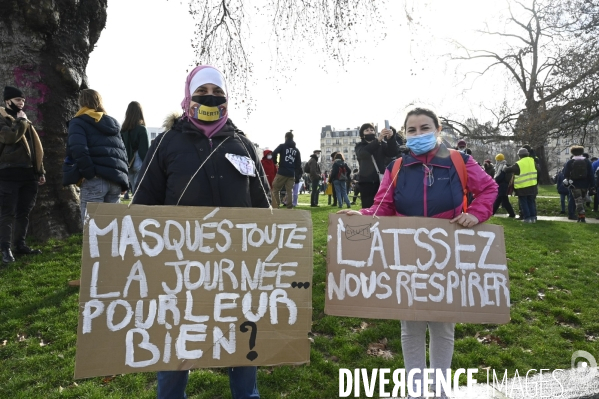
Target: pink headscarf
point(209, 129)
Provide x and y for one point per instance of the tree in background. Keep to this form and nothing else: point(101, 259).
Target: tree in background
point(46, 46)
point(45, 49)
point(552, 55)
point(223, 33)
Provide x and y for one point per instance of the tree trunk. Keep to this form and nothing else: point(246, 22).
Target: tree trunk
point(544, 172)
point(45, 49)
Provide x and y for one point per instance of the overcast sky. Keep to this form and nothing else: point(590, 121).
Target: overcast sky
point(144, 52)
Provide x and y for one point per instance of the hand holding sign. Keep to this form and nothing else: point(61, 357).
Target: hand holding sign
point(412, 268)
point(176, 288)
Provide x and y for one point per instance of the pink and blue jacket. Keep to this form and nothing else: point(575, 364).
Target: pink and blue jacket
point(428, 185)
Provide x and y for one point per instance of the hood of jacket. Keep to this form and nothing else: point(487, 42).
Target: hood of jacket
point(170, 120)
point(314, 156)
point(290, 143)
point(107, 124)
point(266, 153)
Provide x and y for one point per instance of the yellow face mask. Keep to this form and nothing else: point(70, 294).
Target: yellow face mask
point(207, 114)
point(209, 108)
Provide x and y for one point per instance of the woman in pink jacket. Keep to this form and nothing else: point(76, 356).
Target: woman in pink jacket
point(428, 184)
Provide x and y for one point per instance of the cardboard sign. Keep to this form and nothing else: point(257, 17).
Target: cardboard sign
point(176, 288)
point(414, 268)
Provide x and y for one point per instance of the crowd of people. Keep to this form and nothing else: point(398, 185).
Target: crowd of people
point(203, 159)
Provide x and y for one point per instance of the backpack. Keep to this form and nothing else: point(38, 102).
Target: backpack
point(342, 174)
point(307, 167)
point(578, 169)
point(458, 163)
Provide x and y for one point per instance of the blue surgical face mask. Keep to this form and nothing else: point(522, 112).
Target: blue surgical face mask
point(423, 143)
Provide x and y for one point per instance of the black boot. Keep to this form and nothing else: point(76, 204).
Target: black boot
point(25, 250)
point(7, 255)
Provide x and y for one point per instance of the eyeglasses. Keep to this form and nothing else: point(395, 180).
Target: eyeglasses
point(428, 174)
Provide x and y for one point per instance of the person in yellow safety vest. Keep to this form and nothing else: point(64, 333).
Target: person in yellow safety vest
point(525, 185)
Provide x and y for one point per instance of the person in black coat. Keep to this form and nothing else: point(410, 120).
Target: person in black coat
point(289, 163)
point(562, 190)
point(21, 172)
point(340, 175)
point(203, 160)
point(579, 178)
point(97, 150)
point(503, 180)
point(371, 153)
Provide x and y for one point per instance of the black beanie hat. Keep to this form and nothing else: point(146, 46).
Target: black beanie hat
point(12, 92)
point(364, 127)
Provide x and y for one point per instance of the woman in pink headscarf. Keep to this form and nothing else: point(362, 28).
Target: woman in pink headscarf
point(203, 160)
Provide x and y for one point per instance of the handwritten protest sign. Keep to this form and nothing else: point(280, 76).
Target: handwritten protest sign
point(412, 268)
point(176, 288)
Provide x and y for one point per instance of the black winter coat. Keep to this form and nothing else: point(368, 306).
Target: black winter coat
point(380, 150)
point(588, 181)
point(98, 150)
point(289, 159)
point(177, 154)
point(503, 182)
point(335, 170)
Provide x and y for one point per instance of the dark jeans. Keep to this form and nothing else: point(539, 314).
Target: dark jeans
point(504, 201)
point(367, 192)
point(17, 199)
point(356, 191)
point(562, 200)
point(528, 206)
point(315, 192)
point(242, 381)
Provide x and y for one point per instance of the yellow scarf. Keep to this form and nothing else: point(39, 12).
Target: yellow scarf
point(91, 113)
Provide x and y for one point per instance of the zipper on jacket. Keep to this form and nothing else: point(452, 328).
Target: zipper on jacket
point(425, 206)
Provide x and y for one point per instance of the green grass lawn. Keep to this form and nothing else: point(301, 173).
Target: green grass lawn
point(555, 311)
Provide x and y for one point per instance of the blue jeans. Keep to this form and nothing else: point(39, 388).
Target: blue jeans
point(562, 199)
point(341, 191)
point(98, 190)
point(242, 381)
point(134, 172)
point(528, 206)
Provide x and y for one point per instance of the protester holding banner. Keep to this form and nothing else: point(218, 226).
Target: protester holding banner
point(204, 160)
point(427, 182)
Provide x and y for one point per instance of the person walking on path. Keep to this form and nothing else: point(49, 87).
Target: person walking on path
point(135, 138)
point(562, 190)
point(503, 180)
point(203, 160)
point(428, 184)
point(288, 160)
point(525, 185)
point(340, 175)
point(21, 173)
point(314, 170)
point(370, 153)
point(579, 178)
